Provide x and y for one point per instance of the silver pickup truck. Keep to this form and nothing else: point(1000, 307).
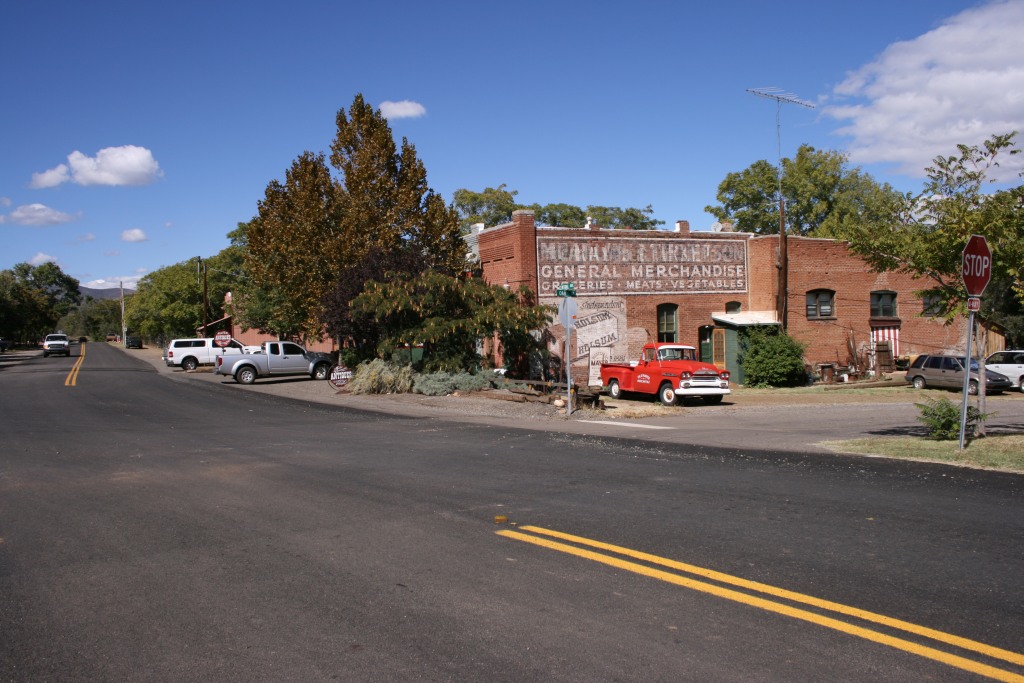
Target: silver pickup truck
point(275, 359)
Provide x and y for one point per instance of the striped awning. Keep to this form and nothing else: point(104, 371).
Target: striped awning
point(889, 334)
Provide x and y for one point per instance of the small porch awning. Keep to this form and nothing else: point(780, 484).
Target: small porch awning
point(746, 318)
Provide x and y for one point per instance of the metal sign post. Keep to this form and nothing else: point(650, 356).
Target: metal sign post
point(967, 379)
point(976, 271)
point(566, 315)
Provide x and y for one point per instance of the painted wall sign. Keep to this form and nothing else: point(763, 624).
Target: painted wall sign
point(638, 265)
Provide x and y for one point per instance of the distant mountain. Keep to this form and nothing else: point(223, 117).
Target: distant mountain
point(109, 293)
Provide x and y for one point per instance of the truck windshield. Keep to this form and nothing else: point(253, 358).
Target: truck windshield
point(675, 353)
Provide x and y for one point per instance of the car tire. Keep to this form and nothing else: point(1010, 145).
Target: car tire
point(919, 382)
point(1020, 383)
point(972, 388)
point(46, 354)
point(246, 375)
point(714, 398)
point(614, 390)
point(189, 364)
point(321, 371)
point(667, 394)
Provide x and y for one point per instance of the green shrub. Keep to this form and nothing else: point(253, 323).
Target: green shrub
point(465, 381)
point(434, 384)
point(771, 358)
point(942, 418)
point(379, 377)
point(444, 383)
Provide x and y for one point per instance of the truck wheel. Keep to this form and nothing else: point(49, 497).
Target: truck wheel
point(667, 394)
point(189, 364)
point(614, 390)
point(714, 398)
point(246, 375)
point(972, 388)
point(321, 370)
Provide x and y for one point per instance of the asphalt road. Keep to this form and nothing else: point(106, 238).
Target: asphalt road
point(165, 530)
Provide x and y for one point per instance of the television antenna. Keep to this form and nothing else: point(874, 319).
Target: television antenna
point(781, 97)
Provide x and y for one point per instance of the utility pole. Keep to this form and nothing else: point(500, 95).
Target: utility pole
point(206, 297)
point(780, 97)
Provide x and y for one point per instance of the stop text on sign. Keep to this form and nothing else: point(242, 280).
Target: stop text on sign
point(976, 265)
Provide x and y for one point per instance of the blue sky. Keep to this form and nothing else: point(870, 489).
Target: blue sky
point(137, 135)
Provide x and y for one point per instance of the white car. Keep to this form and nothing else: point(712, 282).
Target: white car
point(1009, 363)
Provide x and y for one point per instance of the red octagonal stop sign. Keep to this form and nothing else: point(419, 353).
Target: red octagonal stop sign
point(977, 265)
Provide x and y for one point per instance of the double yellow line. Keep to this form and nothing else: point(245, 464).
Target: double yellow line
point(72, 378)
point(579, 548)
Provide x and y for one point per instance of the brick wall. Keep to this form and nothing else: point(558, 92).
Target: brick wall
point(508, 256)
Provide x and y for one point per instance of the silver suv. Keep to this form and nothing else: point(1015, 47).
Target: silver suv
point(947, 372)
point(56, 344)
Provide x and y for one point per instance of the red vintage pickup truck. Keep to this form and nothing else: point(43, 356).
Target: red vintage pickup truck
point(669, 370)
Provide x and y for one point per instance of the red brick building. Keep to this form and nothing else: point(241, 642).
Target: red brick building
point(703, 288)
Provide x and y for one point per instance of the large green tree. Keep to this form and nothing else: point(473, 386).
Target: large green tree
point(175, 300)
point(34, 298)
point(94, 318)
point(494, 206)
point(448, 316)
point(926, 234)
point(313, 227)
point(491, 206)
point(383, 197)
point(167, 302)
point(293, 247)
point(823, 196)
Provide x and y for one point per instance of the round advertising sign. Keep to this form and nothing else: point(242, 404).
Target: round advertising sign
point(340, 376)
point(222, 338)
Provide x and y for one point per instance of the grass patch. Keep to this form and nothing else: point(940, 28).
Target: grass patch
point(1003, 452)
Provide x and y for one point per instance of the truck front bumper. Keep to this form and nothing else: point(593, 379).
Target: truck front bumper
point(709, 389)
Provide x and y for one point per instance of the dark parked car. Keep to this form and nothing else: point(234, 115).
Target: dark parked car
point(947, 372)
point(131, 342)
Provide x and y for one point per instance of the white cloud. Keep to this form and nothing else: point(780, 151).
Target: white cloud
point(40, 258)
point(87, 237)
point(126, 165)
point(52, 178)
point(406, 109)
point(37, 215)
point(957, 84)
point(128, 281)
point(5, 201)
point(133, 235)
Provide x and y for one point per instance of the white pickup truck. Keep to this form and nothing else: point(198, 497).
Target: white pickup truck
point(189, 354)
point(275, 359)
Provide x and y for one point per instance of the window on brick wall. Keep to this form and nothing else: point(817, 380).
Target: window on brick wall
point(883, 305)
point(733, 306)
point(668, 323)
point(821, 303)
point(931, 304)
